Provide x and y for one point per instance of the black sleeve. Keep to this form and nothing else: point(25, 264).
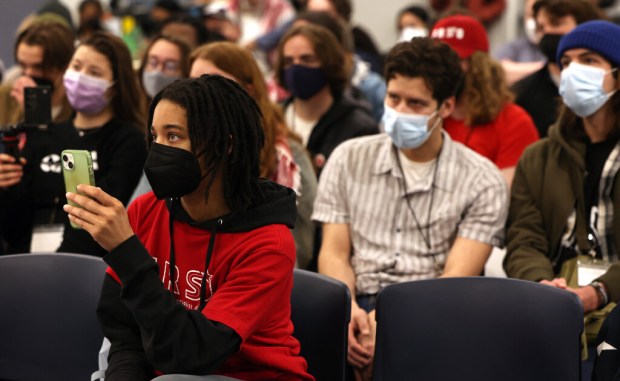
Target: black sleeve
point(126, 360)
point(174, 339)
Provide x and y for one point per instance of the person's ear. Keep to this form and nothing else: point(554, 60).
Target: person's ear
point(447, 107)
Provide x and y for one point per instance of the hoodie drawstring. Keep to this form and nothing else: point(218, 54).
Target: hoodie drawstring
point(203, 283)
point(173, 203)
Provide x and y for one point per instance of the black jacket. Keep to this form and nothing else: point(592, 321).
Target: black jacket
point(345, 119)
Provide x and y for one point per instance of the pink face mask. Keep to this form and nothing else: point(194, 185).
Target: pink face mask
point(86, 93)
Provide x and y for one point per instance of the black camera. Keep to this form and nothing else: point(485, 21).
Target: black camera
point(37, 116)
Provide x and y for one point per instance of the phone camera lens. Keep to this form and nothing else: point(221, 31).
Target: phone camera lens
point(70, 165)
point(64, 158)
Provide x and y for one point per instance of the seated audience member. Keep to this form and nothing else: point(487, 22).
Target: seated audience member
point(283, 158)
point(565, 204)
point(188, 28)
point(359, 39)
point(364, 85)
point(160, 12)
point(90, 18)
point(201, 269)
point(484, 118)
point(522, 56)
point(412, 203)
point(109, 122)
point(310, 66)
point(538, 92)
point(104, 92)
point(412, 21)
point(42, 52)
point(165, 60)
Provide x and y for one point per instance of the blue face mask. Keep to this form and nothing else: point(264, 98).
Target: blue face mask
point(407, 130)
point(581, 88)
point(304, 82)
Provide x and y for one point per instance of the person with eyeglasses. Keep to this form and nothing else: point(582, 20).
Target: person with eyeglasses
point(564, 215)
point(165, 60)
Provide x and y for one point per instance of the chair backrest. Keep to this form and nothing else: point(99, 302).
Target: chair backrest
point(320, 311)
point(477, 328)
point(48, 322)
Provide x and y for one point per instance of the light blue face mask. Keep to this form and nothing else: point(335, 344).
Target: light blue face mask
point(407, 130)
point(581, 88)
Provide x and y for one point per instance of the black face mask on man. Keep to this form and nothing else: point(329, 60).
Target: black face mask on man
point(548, 45)
point(172, 172)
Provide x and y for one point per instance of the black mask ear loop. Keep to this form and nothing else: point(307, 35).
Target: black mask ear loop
point(173, 203)
point(203, 284)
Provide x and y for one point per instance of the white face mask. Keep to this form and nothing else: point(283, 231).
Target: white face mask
point(530, 30)
point(581, 88)
point(410, 32)
point(407, 130)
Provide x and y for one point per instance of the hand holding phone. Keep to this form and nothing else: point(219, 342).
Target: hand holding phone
point(11, 170)
point(101, 215)
point(77, 168)
point(17, 91)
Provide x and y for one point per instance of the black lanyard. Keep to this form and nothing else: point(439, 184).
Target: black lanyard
point(427, 237)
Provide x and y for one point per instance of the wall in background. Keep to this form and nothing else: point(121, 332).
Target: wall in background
point(12, 12)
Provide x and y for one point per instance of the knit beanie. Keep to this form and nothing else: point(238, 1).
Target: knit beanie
point(602, 37)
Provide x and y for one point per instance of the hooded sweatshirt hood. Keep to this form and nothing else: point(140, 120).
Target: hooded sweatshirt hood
point(275, 205)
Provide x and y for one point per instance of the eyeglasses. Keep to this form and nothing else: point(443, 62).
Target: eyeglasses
point(154, 63)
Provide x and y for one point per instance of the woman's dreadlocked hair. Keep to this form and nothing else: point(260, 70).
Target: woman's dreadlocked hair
point(224, 125)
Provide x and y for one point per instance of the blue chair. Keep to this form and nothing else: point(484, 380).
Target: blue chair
point(48, 323)
point(477, 328)
point(320, 311)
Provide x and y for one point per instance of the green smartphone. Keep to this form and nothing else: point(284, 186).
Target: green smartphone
point(77, 168)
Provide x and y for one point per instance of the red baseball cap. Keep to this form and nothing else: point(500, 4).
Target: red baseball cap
point(464, 34)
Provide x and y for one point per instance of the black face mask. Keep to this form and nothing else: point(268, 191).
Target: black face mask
point(172, 172)
point(548, 45)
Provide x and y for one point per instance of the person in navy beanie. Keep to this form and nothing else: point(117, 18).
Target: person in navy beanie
point(565, 201)
point(600, 36)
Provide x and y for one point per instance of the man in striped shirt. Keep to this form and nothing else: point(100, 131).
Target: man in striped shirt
point(411, 203)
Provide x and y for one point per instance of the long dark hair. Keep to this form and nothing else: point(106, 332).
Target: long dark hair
point(127, 102)
point(224, 124)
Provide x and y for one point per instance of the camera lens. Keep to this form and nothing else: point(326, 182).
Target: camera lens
point(64, 158)
point(70, 165)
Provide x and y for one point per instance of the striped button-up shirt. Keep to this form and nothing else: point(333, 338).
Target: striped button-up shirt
point(362, 186)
